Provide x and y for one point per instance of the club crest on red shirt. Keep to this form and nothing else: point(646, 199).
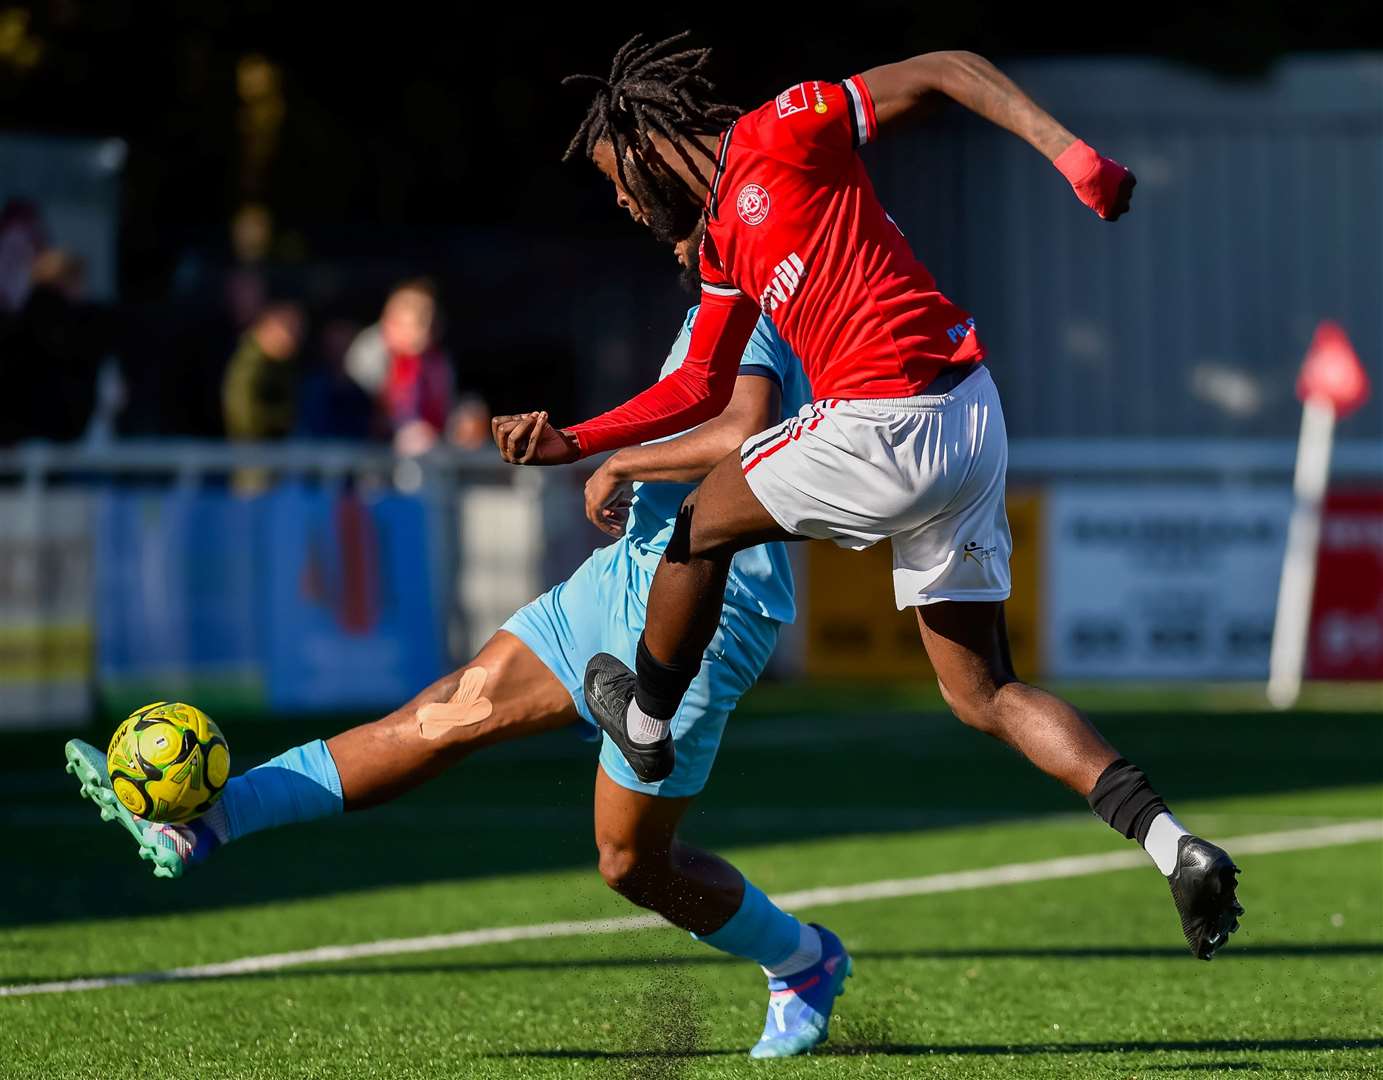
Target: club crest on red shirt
point(752, 204)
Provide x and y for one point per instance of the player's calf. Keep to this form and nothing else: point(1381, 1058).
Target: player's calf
point(642, 859)
point(968, 647)
point(806, 964)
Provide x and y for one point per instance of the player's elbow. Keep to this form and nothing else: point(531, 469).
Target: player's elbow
point(945, 72)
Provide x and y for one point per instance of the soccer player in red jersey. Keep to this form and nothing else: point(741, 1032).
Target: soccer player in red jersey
point(906, 439)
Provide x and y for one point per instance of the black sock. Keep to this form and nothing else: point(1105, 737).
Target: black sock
point(1125, 800)
point(661, 686)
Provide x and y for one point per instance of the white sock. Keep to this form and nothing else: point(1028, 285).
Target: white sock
point(807, 953)
point(642, 728)
point(1161, 844)
point(183, 839)
point(215, 820)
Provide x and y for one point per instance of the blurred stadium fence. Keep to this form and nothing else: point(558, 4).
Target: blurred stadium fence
point(1256, 216)
point(140, 571)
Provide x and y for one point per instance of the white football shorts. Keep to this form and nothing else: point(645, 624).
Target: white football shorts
point(925, 472)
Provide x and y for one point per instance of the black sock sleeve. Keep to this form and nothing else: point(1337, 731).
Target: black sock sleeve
point(660, 686)
point(1125, 800)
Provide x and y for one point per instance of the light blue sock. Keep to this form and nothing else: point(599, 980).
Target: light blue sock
point(758, 931)
point(300, 785)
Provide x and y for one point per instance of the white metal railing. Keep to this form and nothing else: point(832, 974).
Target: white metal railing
point(494, 535)
point(500, 534)
point(182, 457)
point(503, 533)
point(1183, 458)
point(1044, 458)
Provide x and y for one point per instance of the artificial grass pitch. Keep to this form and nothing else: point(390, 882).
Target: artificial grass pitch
point(1063, 978)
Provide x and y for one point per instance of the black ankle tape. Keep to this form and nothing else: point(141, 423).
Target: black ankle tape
point(660, 686)
point(1125, 800)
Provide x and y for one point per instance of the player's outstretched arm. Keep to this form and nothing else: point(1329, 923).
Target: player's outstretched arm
point(693, 394)
point(911, 87)
point(686, 459)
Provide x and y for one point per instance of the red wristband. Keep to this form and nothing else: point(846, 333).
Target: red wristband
point(1077, 162)
point(1097, 180)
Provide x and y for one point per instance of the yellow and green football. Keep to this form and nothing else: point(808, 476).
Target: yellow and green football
point(168, 762)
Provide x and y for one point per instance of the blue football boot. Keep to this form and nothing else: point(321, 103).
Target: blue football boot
point(799, 1007)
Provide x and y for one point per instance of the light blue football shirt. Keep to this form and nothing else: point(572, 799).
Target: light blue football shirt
point(760, 577)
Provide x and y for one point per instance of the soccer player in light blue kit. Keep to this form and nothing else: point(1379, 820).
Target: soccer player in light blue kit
point(527, 679)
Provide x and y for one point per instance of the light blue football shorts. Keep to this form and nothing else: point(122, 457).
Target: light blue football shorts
point(601, 608)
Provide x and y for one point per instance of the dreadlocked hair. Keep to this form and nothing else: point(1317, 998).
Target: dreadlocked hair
point(653, 89)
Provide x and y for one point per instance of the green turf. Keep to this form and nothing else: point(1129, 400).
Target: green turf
point(1066, 978)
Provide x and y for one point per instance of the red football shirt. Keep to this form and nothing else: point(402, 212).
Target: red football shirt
point(794, 229)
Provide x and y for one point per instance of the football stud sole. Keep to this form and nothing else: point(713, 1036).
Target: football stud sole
point(96, 787)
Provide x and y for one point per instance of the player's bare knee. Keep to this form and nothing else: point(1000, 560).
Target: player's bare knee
point(620, 869)
point(974, 705)
point(694, 538)
point(713, 547)
point(631, 872)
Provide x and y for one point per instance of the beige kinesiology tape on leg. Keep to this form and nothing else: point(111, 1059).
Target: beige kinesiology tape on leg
point(467, 706)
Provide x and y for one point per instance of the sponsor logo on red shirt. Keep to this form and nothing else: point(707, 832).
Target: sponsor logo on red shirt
point(792, 100)
point(787, 275)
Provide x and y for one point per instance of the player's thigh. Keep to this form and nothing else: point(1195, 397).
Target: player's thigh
point(967, 644)
point(527, 697)
point(722, 516)
point(504, 692)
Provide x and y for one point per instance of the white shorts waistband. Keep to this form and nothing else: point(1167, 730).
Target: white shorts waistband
point(968, 387)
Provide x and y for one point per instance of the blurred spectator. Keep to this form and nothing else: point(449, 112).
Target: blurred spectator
point(51, 353)
point(259, 118)
point(399, 363)
point(252, 234)
point(470, 423)
point(258, 395)
point(21, 239)
point(177, 370)
point(332, 405)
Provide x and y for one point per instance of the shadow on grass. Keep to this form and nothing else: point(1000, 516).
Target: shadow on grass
point(890, 772)
point(1208, 1046)
point(653, 962)
point(1212, 1046)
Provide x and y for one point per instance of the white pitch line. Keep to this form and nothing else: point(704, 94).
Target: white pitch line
point(1353, 832)
point(1074, 866)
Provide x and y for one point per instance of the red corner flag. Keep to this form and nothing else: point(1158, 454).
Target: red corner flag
point(1332, 384)
point(1332, 371)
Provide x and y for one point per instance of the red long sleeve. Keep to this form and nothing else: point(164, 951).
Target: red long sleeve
point(694, 393)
